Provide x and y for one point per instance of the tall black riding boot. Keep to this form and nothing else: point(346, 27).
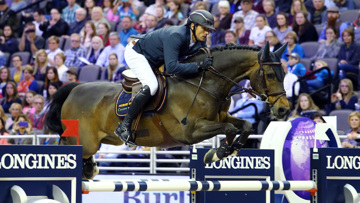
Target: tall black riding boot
point(123, 130)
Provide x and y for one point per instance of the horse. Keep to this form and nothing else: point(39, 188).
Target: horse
point(93, 105)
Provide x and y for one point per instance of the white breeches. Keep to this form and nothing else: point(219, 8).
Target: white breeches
point(140, 66)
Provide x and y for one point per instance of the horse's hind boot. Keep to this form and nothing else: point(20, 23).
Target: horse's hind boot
point(123, 130)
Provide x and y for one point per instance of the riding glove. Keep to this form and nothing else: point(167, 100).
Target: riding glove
point(206, 63)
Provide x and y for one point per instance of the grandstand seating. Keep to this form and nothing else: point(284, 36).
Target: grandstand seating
point(89, 73)
point(349, 15)
point(342, 119)
point(310, 48)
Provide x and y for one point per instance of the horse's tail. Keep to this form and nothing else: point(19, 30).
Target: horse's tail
point(53, 116)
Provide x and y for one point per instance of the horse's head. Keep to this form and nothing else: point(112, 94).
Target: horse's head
point(269, 80)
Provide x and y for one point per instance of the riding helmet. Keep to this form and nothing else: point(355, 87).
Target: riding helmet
point(202, 17)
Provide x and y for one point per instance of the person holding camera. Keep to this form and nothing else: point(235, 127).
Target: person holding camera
point(29, 41)
point(22, 126)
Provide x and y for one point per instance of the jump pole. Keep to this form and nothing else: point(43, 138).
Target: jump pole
point(191, 185)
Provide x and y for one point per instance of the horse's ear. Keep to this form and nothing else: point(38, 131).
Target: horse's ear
point(280, 50)
point(266, 53)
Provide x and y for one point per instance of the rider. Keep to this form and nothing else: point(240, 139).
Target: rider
point(164, 46)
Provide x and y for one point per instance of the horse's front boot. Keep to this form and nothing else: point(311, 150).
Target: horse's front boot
point(123, 130)
point(218, 154)
point(240, 141)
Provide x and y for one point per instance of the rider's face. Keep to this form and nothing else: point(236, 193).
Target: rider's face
point(201, 32)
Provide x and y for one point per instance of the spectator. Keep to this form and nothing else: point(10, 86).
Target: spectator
point(27, 103)
point(61, 67)
point(127, 31)
point(68, 13)
point(241, 33)
point(115, 47)
point(333, 20)
point(223, 19)
point(159, 3)
point(150, 24)
point(40, 65)
point(348, 54)
point(108, 6)
point(297, 6)
point(3, 131)
point(140, 25)
point(200, 5)
point(8, 42)
point(29, 41)
point(345, 5)
point(247, 14)
point(104, 32)
point(318, 13)
point(97, 47)
point(230, 37)
point(320, 77)
point(54, 49)
point(126, 8)
point(11, 96)
point(114, 70)
point(86, 35)
point(55, 26)
point(345, 97)
point(352, 135)
point(78, 24)
point(97, 18)
point(16, 73)
point(356, 25)
point(39, 19)
point(159, 14)
point(304, 29)
point(50, 91)
point(257, 34)
point(273, 40)
point(330, 47)
point(22, 126)
point(174, 12)
point(8, 17)
point(72, 55)
point(4, 79)
point(29, 83)
point(282, 26)
point(17, 5)
point(37, 119)
point(318, 118)
point(295, 66)
point(52, 76)
point(89, 6)
point(71, 76)
point(305, 107)
point(289, 81)
point(293, 46)
point(269, 8)
point(15, 110)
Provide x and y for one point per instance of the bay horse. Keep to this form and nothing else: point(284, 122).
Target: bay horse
point(93, 104)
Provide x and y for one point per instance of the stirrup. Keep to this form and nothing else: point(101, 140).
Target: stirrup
point(129, 141)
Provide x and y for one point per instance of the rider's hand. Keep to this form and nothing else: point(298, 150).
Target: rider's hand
point(206, 63)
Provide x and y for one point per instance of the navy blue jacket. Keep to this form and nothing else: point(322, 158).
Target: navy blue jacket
point(353, 57)
point(168, 45)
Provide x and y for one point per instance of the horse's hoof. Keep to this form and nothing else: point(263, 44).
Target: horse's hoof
point(208, 158)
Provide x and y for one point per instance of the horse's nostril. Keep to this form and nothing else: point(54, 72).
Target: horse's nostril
point(282, 111)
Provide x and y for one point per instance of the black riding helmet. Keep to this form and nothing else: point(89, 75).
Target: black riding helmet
point(202, 17)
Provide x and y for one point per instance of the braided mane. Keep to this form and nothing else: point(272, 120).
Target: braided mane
point(225, 47)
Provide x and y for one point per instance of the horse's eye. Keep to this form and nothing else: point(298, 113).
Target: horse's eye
point(270, 76)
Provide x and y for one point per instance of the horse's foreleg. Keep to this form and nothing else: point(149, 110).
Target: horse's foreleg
point(245, 128)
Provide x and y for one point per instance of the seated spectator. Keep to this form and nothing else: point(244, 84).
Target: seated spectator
point(140, 24)
point(27, 103)
point(127, 31)
point(11, 96)
point(345, 97)
point(60, 66)
point(247, 13)
point(352, 135)
point(295, 66)
point(320, 77)
point(8, 42)
point(50, 91)
point(71, 76)
point(89, 5)
point(3, 132)
point(55, 26)
point(297, 6)
point(333, 20)
point(293, 46)
point(126, 8)
point(40, 65)
point(318, 12)
point(16, 73)
point(241, 33)
point(160, 4)
point(52, 76)
point(22, 126)
point(174, 12)
point(269, 8)
point(257, 34)
point(29, 83)
point(349, 53)
point(304, 29)
point(78, 24)
point(150, 24)
point(86, 35)
point(318, 118)
point(273, 40)
point(54, 49)
point(15, 110)
point(7, 17)
point(289, 81)
point(68, 13)
point(305, 107)
point(282, 26)
point(230, 37)
point(114, 70)
point(72, 55)
point(17, 5)
point(38, 118)
point(39, 18)
point(4, 79)
point(330, 47)
point(115, 47)
point(108, 6)
point(104, 32)
point(159, 14)
point(97, 47)
point(345, 5)
point(97, 18)
point(29, 41)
